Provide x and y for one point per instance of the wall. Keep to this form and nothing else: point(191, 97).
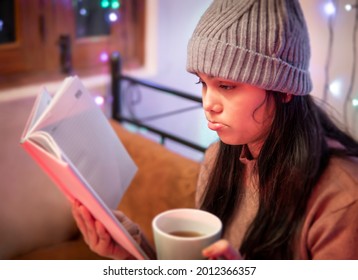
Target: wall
point(341, 58)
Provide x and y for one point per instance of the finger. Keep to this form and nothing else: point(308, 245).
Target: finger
point(106, 246)
point(221, 250)
point(89, 233)
point(103, 236)
point(103, 239)
point(76, 206)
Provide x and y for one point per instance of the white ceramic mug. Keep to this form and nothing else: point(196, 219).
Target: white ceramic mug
point(182, 234)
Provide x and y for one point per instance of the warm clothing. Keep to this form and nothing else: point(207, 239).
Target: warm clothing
point(263, 43)
point(330, 226)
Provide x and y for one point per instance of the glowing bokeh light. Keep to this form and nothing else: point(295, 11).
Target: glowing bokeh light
point(83, 12)
point(104, 4)
point(348, 7)
point(335, 88)
point(329, 8)
point(355, 102)
point(99, 100)
point(113, 17)
point(115, 5)
point(103, 57)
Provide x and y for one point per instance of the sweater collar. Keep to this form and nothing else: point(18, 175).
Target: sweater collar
point(246, 156)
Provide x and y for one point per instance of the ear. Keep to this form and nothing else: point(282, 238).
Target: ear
point(287, 98)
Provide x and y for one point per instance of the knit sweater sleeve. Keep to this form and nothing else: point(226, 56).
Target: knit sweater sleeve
point(335, 236)
point(330, 230)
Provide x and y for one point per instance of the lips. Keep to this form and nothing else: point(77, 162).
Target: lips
point(215, 126)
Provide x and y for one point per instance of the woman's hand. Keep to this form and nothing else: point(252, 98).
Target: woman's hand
point(97, 237)
point(221, 250)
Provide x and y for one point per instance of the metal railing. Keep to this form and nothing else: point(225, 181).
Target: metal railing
point(117, 113)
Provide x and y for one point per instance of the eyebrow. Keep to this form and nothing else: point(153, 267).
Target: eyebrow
point(221, 80)
point(210, 77)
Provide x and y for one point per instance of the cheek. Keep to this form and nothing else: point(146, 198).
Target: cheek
point(249, 114)
point(262, 116)
point(262, 110)
point(252, 121)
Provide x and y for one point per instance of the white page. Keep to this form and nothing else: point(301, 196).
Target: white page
point(46, 142)
point(43, 103)
point(86, 138)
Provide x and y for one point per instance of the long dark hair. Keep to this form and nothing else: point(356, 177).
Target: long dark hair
point(288, 167)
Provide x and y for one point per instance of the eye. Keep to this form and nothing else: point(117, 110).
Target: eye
point(227, 87)
point(201, 82)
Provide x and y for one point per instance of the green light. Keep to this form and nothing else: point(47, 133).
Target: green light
point(104, 4)
point(115, 4)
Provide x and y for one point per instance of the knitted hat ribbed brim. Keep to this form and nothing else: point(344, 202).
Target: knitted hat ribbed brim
point(260, 42)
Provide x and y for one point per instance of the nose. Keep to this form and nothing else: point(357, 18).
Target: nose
point(211, 101)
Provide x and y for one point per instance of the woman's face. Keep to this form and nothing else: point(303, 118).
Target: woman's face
point(239, 113)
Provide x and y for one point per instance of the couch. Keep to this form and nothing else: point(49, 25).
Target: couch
point(165, 180)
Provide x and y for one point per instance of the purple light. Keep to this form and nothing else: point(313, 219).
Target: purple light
point(99, 100)
point(83, 12)
point(103, 57)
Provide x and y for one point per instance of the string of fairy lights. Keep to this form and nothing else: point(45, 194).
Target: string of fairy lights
point(112, 10)
point(112, 6)
point(350, 104)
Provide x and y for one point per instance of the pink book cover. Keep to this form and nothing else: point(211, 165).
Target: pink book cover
point(69, 137)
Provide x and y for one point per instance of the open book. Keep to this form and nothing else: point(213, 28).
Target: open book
point(71, 139)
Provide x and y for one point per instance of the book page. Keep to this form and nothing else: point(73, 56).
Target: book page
point(46, 142)
point(43, 100)
point(84, 134)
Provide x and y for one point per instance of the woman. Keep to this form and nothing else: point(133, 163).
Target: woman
point(283, 178)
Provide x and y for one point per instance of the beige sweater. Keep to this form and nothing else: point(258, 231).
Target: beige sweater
point(330, 226)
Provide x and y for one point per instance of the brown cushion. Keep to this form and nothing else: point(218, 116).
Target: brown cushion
point(75, 249)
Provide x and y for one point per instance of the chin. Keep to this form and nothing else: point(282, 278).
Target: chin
point(231, 142)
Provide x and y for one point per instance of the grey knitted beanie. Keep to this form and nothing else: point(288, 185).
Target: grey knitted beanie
point(260, 42)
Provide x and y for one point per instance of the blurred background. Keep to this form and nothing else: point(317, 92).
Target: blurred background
point(42, 41)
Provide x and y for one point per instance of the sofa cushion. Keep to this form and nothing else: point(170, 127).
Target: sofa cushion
point(74, 249)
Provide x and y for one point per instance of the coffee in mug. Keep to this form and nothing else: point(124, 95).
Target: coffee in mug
point(182, 234)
